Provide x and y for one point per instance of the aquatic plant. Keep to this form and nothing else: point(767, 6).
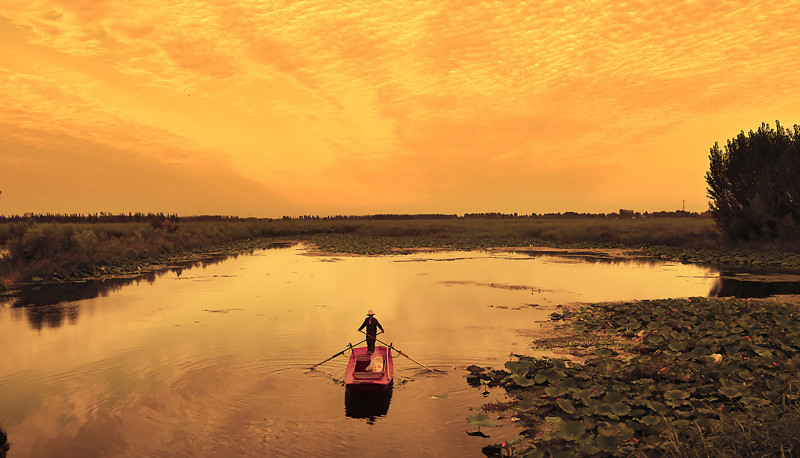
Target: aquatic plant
point(695, 373)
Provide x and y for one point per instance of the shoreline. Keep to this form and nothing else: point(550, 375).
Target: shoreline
point(652, 377)
point(313, 248)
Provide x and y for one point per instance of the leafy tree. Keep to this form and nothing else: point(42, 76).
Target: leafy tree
point(754, 184)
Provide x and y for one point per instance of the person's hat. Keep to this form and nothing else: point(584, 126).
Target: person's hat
point(370, 312)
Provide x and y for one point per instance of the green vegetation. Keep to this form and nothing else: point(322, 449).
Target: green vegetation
point(60, 251)
point(753, 185)
point(4, 445)
point(48, 251)
point(700, 377)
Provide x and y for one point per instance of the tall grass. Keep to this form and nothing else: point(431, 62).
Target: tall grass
point(56, 250)
point(766, 431)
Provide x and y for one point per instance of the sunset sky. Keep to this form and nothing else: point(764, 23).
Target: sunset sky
point(270, 108)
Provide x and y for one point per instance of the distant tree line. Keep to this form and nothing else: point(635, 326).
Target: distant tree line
point(103, 217)
point(158, 218)
point(380, 216)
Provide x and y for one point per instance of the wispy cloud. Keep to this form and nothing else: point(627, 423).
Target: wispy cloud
point(303, 93)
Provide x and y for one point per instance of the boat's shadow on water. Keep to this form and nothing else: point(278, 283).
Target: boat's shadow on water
point(369, 405)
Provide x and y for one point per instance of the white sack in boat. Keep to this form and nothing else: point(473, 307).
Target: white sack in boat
point(375, 363)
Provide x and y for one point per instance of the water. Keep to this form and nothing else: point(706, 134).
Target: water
point(212, 360)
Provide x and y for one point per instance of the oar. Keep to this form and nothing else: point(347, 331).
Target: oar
point(401, 353)
point(349, 346)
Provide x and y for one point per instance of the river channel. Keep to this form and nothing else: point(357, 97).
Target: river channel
point(213, 359)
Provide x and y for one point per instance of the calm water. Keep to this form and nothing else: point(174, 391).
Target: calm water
point(213, 360)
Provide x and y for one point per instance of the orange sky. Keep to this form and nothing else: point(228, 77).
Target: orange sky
point(268, 108)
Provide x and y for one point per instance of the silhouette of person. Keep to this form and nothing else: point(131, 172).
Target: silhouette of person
point(372, 325)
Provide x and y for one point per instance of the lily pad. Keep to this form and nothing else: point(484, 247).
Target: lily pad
point(620, 408)
point(566, 405)
point(556, 391)
point(571, 430)
point(528, 404)
point(481, 419)
point(650, 420)
point(522, 381)
point(519, 367)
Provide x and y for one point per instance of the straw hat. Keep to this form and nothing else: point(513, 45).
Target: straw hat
point(370, 312)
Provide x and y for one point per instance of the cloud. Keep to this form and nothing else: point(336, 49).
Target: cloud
point(301, 93)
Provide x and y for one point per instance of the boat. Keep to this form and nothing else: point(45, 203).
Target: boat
point(369, 371)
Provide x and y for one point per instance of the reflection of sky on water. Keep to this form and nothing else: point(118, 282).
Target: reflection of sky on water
point(211, 360)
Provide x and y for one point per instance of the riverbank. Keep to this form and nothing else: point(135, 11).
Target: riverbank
point(674, 377)
point(52, 252)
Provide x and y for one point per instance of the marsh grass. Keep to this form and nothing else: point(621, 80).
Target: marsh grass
point(766, 431)
point(66, 250)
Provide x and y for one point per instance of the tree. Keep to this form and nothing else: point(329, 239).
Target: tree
point(753, 184)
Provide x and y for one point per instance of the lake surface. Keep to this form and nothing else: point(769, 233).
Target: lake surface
point(212, 360)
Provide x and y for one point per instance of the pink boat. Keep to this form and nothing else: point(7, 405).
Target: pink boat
point(369, 371)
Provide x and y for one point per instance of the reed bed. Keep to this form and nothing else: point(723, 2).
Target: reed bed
point(31, 251)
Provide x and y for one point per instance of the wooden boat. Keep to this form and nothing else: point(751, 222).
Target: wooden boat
point(369, 371)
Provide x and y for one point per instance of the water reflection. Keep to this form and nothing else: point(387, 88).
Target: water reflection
point(587, 257)
point(368, 405)
point(735, 287)
point(53, 305)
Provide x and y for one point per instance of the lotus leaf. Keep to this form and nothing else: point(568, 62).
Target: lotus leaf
point(659, 408)
point(676, 395)
point(619, 408)
point(566, 405)
point(613, 396)
point(637, 413)
point(730, 392)
point(764, 352)
point(554, 376)
point(698, 352)
point(540, 378)
point(607, 430)
point(528, 404)
point(556, 390)
point(571, 430)
point(481, 419)
point(519, 367)
point(677, 345)
point(650, 420)
point(586, 394)
point(609, 443)
point(553, 420)
point(522, 381)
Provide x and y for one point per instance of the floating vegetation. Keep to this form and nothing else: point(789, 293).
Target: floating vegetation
point(695, 374)
point(493, 285)
point(770, 257)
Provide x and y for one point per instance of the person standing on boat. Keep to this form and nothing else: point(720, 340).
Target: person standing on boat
point(372, 325)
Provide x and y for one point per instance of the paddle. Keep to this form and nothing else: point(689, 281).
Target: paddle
point(401, 353)
point(349, 346)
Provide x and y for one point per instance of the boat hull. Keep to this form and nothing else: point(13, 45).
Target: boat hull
point(358, 378)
